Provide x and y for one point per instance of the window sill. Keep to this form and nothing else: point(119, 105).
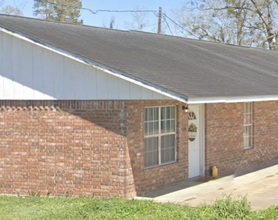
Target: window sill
point(160, 165)
point(248, 148)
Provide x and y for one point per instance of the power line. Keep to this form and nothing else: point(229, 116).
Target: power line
point(155, 12)
point(119, 11)
point(104, 10)
point(181, 27)
point(167, 25)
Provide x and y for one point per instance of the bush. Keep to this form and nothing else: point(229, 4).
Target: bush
point(229, 208)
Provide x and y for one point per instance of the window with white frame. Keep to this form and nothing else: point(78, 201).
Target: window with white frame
point(160, 135)
point(248, 124)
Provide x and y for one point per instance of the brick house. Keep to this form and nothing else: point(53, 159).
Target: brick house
point(101, 112)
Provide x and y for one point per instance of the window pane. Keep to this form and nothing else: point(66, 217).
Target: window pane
point(146, 114)
point(245, 131)
point(152, 144)
point(164, 142)
point(172, 126)
point(150, 114)
point(247, 119)
point(250, 141)
point(168, 126)
point(156, 114)
point(248, 136)
point(173, 112)
point(151, 151)
point(146, 129)
point(246, 107)
point(168, 112)
point(168, 141)
point(156, 124)
point(150, 128)
point(163, 127)
point(167, 148)
point(163, 113)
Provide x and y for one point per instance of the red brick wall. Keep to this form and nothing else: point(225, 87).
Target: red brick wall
point(153, 178)
point(96, 148)
point(224, 136)
point(64, 148)
point(93, 148)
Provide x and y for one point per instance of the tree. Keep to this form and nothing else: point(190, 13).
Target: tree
point(13, 10)
point(112, 23)
point(59, 10)
point(240, 22)
point(140, 20)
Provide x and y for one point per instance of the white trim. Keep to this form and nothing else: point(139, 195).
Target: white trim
point(202, 159)
point(248, 110)
point(160, 135)
point(202, 141)
point(232, 99)
point(201, 119)
point(98, 66)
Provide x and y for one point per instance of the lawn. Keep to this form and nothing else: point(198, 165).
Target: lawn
point(118, 208)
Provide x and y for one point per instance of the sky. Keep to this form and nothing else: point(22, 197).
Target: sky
point(123, 21)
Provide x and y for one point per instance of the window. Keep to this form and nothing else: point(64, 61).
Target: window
point(160, 135)
point(248, 124)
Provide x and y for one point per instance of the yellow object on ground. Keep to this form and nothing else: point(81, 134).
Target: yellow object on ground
point(214, 172)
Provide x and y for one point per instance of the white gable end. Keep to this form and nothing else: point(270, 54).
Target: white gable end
point(31, 72)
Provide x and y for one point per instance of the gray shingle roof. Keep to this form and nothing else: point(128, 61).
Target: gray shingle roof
point(190, 68)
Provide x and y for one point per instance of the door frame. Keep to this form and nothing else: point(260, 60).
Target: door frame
point(202, 140)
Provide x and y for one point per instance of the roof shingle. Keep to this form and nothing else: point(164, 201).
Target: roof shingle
point(191, 68)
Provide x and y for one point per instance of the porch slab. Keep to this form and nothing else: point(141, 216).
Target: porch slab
point(260, 187)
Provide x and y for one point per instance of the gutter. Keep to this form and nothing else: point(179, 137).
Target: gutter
point(208, 100)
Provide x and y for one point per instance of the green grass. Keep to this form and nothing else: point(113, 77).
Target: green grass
point(118, 208)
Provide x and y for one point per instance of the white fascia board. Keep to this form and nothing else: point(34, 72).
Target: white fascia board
point(96, 65)
point(231, 99)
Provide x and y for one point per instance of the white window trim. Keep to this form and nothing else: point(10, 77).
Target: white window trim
point(159, 135)
point(250, 124)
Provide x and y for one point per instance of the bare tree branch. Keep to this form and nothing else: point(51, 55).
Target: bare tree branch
point(258, 11)
point(15, 9)
point(2, 3)
point(242, 22)
point(140, 20)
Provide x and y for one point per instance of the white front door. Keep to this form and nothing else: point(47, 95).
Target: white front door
point(194, 141)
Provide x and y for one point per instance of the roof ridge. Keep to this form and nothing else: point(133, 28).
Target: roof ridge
point(61, 22)
point(130, 31)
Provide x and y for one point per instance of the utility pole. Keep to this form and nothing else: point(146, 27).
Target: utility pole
point(159, 20)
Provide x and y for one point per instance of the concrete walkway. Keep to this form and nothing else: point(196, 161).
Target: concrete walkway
point(260, 187)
